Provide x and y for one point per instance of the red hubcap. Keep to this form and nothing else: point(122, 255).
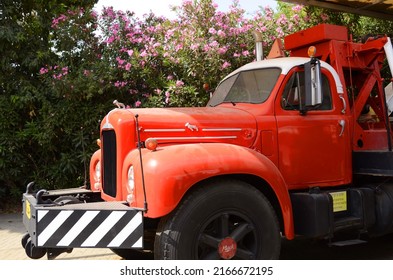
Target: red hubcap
point(227, 248)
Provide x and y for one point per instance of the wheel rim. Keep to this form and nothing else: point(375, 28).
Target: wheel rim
point(227, 235)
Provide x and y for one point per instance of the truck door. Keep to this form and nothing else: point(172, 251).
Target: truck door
point(314, 147)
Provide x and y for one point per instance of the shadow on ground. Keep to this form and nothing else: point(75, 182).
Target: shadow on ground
point(380, 248)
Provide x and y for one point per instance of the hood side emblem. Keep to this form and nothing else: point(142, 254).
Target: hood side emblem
point(191, 127)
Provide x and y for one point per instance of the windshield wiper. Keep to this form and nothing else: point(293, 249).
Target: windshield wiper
point(232, 102)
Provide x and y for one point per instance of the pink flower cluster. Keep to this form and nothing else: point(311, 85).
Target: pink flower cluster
point(57, 72)
point(56, 21)
point(70, 13)
point(168, 56)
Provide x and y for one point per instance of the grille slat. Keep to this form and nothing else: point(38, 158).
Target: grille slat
point(109, 162)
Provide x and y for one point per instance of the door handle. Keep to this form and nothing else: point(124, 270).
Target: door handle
point(342, 124)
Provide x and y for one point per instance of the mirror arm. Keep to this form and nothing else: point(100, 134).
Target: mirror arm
point(303, 112)
point(344, 104)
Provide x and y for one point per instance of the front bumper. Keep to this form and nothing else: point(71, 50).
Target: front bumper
point(82, 225)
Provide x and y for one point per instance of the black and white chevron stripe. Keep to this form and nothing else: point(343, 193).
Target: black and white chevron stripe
point(89, 228)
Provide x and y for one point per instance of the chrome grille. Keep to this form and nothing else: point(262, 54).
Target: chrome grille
point(109, 162)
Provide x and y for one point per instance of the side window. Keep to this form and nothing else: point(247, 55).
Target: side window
point(294, 93)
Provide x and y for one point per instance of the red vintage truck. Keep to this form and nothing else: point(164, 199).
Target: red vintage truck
point(287, 147)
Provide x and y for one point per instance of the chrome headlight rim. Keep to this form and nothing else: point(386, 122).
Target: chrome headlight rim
point(97, 172)
point(131, 179)
point(131, 185)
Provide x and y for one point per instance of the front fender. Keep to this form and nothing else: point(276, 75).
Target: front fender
point(171, 171)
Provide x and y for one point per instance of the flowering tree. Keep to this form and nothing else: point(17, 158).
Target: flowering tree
point(156, 62)
point(30, 141)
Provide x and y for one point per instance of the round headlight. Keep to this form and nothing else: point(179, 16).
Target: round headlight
point(131, 180)
point(97, 172)
point(131, 185)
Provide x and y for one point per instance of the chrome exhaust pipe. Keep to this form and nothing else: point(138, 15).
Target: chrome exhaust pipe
point(258, 45)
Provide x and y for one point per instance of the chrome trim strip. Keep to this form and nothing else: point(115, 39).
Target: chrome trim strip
point(107, 125)
point(196, 138)
point(221, 129)
point(164, 130)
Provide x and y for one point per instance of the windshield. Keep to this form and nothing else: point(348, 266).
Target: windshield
point(253, 86)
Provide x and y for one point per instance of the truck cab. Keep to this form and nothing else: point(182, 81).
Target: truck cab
point(291, 133)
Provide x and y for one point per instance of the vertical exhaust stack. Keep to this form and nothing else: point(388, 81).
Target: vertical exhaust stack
point(258, 45)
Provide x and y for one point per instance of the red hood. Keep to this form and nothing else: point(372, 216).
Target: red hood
point(197, 125)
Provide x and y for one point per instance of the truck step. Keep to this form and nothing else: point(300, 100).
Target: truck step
point(347, 242)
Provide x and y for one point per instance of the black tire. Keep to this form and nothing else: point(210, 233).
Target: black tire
point(34, 252)
point(130, 254)
point(24, 240)
point(222, 220)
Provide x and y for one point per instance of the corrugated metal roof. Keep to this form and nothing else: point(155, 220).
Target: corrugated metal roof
point(382, 9)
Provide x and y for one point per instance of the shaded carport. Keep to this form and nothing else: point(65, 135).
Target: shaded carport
point(382, 9)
